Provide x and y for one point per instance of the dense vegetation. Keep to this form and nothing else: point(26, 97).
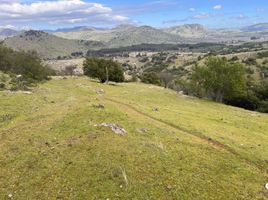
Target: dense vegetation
point(24, 68)
point(104, 70)
point(219, 78)
point(213, 48)
point(223, 80)
point(226, 81)
point(200, 47)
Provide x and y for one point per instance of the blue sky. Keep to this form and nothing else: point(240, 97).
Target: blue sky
point(50, 14)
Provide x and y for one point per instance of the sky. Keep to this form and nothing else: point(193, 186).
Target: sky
point(53, 14)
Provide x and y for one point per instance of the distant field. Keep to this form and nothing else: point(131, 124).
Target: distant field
point(182, 60)
point(176, 147)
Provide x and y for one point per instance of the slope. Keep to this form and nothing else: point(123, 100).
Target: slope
point(49, 46)
point(124, 35)
point(52, 146)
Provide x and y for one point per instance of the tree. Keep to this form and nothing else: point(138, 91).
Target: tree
point(220, 78)
point(26, 64)
point(104, 70)
point(69, 70)
point(166, 78)
point(151, 78)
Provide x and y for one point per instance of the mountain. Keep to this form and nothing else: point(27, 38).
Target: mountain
point(256, 27)
point(7, 32)
point(127, 35)
point(124, 35)
point(64, 30)
point(189, 31)
point(49, 46)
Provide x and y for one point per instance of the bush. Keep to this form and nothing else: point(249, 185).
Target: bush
point(246, 102)
point(220, 78)
point(104, 70)
point(250, 61)
point(151, 78)
point(263, 107)
point(25, 64)
point(2, 86)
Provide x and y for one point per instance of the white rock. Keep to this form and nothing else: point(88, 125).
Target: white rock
point(266, 186)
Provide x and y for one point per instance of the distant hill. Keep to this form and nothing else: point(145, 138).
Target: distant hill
point(124, 35)
point(256, 28)
point(7, 32)
point(49, 46)
point(127, 35)
point(189, 31)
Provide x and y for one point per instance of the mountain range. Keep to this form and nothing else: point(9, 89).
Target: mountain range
point(126, 35)
point(64, 42)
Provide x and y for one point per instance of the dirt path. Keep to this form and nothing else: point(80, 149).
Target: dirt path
point(197, 134)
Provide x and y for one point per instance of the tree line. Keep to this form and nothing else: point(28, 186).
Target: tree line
point(219, 79)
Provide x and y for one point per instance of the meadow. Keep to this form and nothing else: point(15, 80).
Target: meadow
point(176, 147)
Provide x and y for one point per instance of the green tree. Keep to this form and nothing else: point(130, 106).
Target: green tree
point(166, 78)
point(151, 78)
point(104, 70)
point(26, 64)
point(220, 78)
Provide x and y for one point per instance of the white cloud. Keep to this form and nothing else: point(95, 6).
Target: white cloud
point(201, 16)
point(240, 17)
point(7, 26)
point(192, 9)
point(59, 11)
point(217, 7)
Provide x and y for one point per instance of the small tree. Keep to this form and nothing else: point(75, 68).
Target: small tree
point(166, 78)
point(104, 70)
point(220, 78)
point(70, 69)
point(151, 78)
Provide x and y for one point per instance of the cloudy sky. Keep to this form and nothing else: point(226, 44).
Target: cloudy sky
point(51, 14)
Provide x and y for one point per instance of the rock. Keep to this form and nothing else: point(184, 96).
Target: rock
point(115, 128)
point(98, 106)
point(155, 109)
point(181, 92)
point(99, 91)
point(266, 186)
point(169, 187)
point(10, 196)
point(142, 130)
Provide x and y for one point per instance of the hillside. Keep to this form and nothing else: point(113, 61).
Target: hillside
point(189, 31)
point(49, 46)
point(125, 35)
point(256, 27)
point(53, 145)
point(7, 32)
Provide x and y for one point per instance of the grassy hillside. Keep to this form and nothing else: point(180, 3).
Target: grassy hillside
point(125, 35)
point(49, 46)
point(176, 147)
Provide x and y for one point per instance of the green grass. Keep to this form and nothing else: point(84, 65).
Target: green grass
point(193, 149)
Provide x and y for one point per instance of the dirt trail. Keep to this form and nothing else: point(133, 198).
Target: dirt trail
point(197, 134)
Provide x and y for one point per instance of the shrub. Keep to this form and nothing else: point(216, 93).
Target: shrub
point(220, 78)
point(27, 65)
point(104, 70)
point(151, 78)
point(247, 102)
point(2, 86)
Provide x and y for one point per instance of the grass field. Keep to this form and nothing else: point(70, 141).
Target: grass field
point(176, 147)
